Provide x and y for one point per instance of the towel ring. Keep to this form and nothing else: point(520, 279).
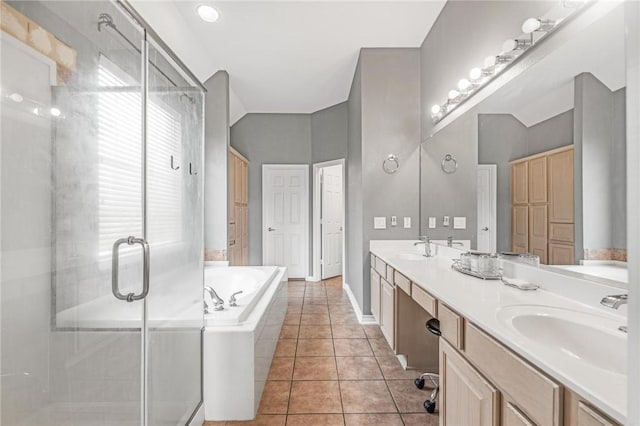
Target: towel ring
point(449, 164)
point(391, 164)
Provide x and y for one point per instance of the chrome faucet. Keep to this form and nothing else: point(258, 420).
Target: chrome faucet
point(427, 245)
point(218, 303)
point(614, 301)
point(233, 300)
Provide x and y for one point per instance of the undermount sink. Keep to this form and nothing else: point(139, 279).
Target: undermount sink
point(588, 338)
point(410, 256)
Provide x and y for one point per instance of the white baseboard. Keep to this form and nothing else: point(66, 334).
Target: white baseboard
point(363, 319)
point(313, 279)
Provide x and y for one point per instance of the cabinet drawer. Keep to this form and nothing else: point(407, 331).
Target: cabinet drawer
point(389, 274)
point(563, 232)
point(588, 416)
point(402, 282)
point(451, 326)
point(381, 267)
point(537, 396)
point(425, 300)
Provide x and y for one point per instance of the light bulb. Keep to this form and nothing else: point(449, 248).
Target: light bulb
point(16, 97)
point(36, 111)
point(509, 46)
point(489, 61)
point(435, 109)
point(453, 93)
point(464, 84)
point(475, 74)
point(531, 25)
point(207, 13)
point(55, 112)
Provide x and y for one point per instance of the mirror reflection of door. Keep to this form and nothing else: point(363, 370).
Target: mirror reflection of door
point(331, 221)
point(487, 207)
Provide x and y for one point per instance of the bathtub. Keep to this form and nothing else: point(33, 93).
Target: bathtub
point(239, 342)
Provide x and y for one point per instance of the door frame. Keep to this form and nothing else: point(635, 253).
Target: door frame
point(305, 215)
point(493, 196)
point(317, 234)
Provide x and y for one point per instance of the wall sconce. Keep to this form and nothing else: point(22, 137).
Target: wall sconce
point(534, 24)
point(516, 46)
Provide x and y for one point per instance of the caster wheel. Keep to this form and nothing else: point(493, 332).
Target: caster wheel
point(430, 406)
point(419, 382)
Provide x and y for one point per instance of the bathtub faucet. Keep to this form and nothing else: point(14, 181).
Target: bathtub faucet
point(218, 303)
point(232, 299)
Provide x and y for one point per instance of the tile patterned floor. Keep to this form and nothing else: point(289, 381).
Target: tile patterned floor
point(330, 370)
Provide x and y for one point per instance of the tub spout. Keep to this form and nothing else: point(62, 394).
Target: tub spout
point(232, 299)
point(218, 303)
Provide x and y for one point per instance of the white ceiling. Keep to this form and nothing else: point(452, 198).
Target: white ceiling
point(287, 56)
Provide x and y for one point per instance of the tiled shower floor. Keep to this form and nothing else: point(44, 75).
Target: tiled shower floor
point(330, 370)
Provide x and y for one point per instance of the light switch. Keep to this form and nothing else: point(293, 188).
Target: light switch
point(432, 223)
point(445, 221)
point(380, 222)
point(460, 222)
point(407, 222)
point(394, 220)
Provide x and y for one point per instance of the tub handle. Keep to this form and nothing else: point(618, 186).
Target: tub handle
point(232, 299)
point(115, 265)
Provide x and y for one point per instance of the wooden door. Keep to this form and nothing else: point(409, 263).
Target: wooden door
point(466, 398)
point(519, 183)
point(520, 229)
point(538, 180)
point(561, 187)
point(387, 312)
point(538, 232)
point(561, 254)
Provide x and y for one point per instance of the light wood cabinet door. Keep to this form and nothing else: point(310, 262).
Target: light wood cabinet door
point(519, 183)
point(375, 295)
point(387, 314)
point(538, 233)
point(561, 187)
point(587, 416)
point(520, 229)
point(561, 254)
point(512, 416)
point(239, 181)
point(466, 398)
point(538, 180)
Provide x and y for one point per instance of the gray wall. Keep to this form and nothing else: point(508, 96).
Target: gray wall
point(329, 133)
point(384, 106)
point(216, 148)
point(503, 138)
point(460, 39)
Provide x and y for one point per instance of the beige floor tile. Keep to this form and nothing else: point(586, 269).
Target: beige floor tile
point(295, 292)
point(289, 332)
point(315, 332)
point(345, 331)
point(275, 397)
point(317, 300)
point(297, 284)
point(315, 319)
point(286, 347)
point(358, 368)
point(292, 319)
point(373, 419)
point(295, 301)
point(425, 419)
point(408, 398)
point(315, 309)
point(261, 420)
point(315, 420)
point(345, 319)
point(373, 332)
point(294, 309)
point(392, 370)
point(315, 397)
point(281, 369)
point(315, 347)
point(366, 396)
point(381, 347)
point(341, 309)
point(315, 368)
point(352, 347)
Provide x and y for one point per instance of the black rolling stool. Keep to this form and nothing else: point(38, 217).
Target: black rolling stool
point(433, 325)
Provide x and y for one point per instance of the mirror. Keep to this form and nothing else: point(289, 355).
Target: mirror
point(541, 162)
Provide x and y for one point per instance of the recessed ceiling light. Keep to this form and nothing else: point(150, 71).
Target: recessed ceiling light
point(55, 112)
point(208, 13)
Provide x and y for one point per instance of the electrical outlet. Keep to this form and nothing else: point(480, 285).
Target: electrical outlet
point(432, 222)
point(445, 222)
point(394, 220)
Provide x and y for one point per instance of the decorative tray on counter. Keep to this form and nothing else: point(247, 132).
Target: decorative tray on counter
point(468, 271)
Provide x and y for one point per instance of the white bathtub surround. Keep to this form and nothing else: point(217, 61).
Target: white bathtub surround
point(239, 342)
point(606, 271)
point(492, 306)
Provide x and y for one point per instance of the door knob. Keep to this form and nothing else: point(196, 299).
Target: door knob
point(485, 228)
point(270, 229)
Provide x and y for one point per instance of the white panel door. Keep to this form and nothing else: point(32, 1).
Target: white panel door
point(331, 221)
point(487, 208)
point(285, 217)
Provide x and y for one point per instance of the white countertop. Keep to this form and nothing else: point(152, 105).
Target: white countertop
point(480, 302)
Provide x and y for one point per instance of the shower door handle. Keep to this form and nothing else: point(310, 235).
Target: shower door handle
point(115, 265)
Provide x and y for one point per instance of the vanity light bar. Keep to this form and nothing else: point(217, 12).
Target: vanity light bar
point(512, 49)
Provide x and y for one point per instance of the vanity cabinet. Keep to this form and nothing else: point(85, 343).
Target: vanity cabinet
point(388, 311)
point(375, 295)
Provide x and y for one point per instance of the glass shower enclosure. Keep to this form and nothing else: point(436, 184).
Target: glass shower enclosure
point(101, 215)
